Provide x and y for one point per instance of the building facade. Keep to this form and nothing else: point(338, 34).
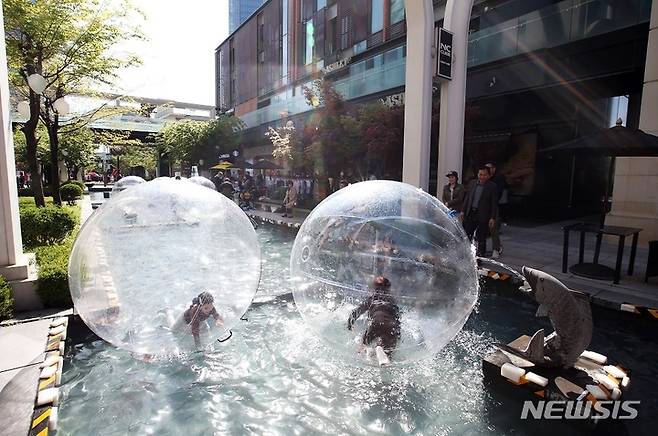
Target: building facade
point(240, 10)
point(541, 72)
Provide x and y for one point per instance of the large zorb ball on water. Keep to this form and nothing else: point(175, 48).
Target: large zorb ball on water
point(390, 229)
point(141, 259)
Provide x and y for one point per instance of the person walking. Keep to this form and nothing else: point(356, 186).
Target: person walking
point(290, 200)
point(453, 192)
point(480, 209)
point(499, 180)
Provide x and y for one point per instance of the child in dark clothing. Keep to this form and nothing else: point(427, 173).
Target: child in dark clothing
point(201, 309)
point(384, 315)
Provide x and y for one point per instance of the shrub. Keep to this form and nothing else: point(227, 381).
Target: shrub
point(70, 192)
point(27, 192)
point(77, 183)
point(53, 288)
point(6, 302)
point(45, 225)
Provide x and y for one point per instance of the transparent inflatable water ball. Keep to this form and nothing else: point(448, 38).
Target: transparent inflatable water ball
point(140, 263)
point(199, 180)
point(126, 182)
point(382, 263)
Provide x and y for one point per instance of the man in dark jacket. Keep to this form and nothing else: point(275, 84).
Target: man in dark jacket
point(453, 192)
point(499, 180)
point(480, 209)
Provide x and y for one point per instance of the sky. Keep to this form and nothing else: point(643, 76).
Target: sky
point(179, 58)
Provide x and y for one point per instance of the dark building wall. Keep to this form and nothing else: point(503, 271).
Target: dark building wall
point(259, 58)
point(269, 58)
point(245, 61)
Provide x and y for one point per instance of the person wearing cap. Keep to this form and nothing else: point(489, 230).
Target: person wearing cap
point(453, 192)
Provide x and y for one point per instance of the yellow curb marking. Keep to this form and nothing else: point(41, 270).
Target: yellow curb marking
point(43, 416)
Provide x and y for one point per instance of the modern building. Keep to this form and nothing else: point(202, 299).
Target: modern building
point(540, 73)
point(240, 10)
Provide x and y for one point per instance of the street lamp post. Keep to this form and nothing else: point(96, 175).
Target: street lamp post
point(57, 106)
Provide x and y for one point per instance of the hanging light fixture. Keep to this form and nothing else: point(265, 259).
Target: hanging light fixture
point(37, 83)
point(24, 109)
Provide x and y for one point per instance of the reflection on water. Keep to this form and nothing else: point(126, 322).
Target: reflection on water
point(273, 377)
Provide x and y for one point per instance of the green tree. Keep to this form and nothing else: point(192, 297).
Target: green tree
point(191, 141)
point(69, 43)
point(128, 151)
point(42, 147)
point(77, 149)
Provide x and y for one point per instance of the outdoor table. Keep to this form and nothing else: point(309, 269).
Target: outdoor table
point(595, 270)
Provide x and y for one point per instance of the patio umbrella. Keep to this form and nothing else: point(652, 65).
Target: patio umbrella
point(242, 164)
point(264, 164)
point(618, 141)
point(222, 166)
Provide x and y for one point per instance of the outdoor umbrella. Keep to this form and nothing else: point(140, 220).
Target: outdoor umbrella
point(222, 166)
point(618, 141)
point(242, 164)
point(264, 164)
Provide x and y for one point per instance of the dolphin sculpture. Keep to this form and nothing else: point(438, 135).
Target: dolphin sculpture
point(571, 316)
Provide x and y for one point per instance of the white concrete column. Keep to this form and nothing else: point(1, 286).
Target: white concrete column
point(418, 90)
point(418, 93)
point(635, 194)
point(15, 266)
point(453, 93)
point(10, 232)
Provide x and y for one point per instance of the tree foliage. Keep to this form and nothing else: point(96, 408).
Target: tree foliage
point(358, 140)
point(77, 149)
point(191, 141)
point(130, 152)
point(71, 44)
point(20, 146)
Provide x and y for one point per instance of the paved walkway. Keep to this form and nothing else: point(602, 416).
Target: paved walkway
point(23, 341)
point(541, 247)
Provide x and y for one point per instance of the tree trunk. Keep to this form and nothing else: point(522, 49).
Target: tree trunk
point(29, 130)
point(54, 159)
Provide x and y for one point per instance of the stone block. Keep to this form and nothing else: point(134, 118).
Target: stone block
point(24, 293)
point(648, 118)
point(651, 68)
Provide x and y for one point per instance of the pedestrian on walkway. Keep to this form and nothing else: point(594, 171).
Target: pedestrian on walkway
point(480, 209)
point(290, 200)
point(499, 180)
point(453, 192)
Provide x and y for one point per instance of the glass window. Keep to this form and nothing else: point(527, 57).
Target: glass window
point(332, 35)
point(376, 16)
point(397, 11)
point(321, 4)
point(310, 42)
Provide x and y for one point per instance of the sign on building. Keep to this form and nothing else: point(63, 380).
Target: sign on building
point(444, 59)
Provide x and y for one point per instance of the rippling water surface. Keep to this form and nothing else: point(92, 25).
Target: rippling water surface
point(273, 378)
